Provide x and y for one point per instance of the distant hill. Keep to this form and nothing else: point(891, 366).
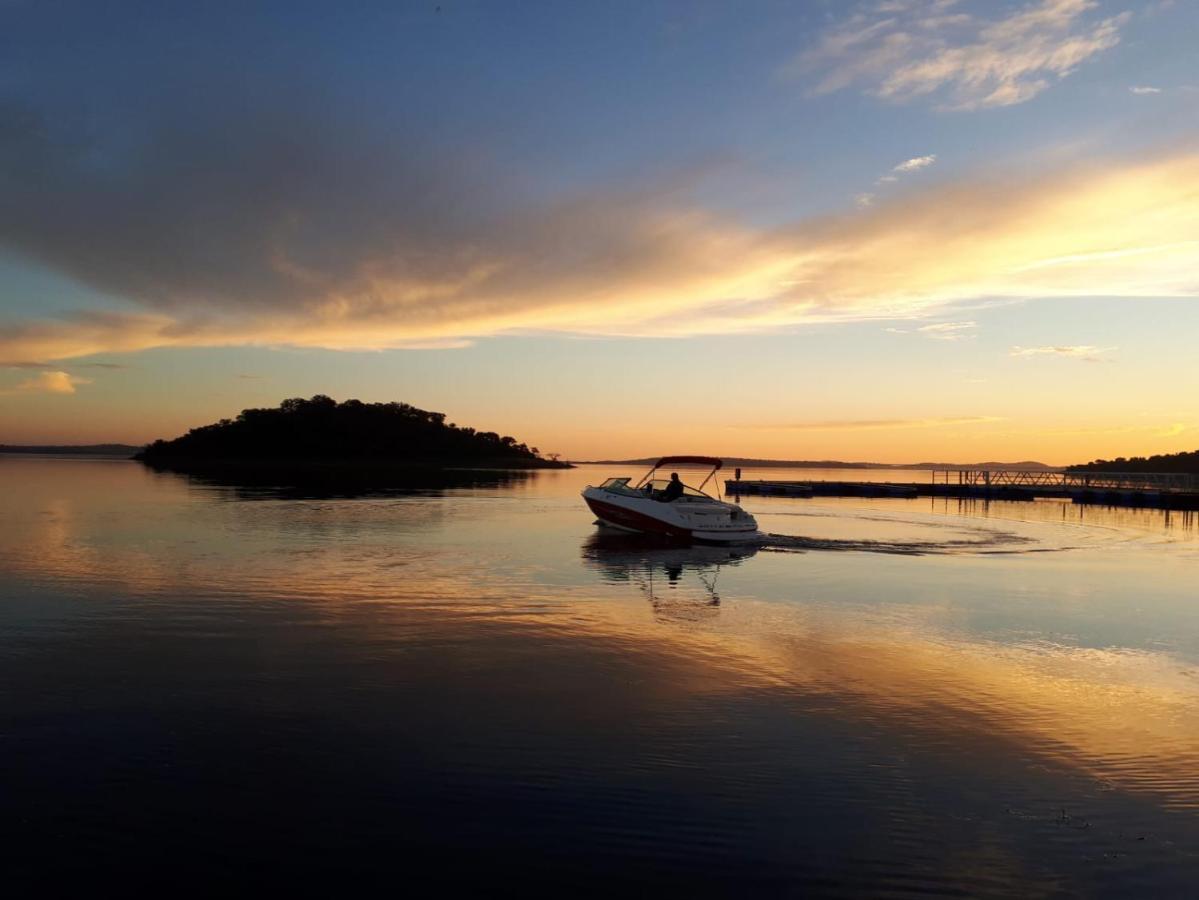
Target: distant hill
point(749, 463)
point(1186, 463)
point(1027, 465)
point(323, 431)
point(123, 450)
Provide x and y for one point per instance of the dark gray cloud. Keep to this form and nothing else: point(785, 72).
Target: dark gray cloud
point(279, 221)
point(239, 209)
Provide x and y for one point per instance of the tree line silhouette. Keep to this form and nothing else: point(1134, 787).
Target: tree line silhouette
point(1187, 462)
point(321, 429)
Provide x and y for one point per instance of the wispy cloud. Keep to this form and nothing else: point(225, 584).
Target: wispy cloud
point(1084, 352)
point(926, 49)
point(939, 331)
point(948, 331)
point(1160, 431)
point(50, 382)
point(863, 200)
point(915, 163)
point(1142, 90)
point(871, 424)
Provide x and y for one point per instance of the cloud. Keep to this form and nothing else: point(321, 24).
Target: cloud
point(939, 331)
point(226, 231)
point(924, 49)
point(1084, 352)
point(41, 365)
point(871, 424)
point(915, 163)
point(49, 383)
point(947, 331)
point(863, 200)
point(1140, 91)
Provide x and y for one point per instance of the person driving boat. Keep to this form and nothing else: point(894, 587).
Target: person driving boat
point(672, 491)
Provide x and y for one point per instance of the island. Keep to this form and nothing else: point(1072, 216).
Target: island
point(321, 434)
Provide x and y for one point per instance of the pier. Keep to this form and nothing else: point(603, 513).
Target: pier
point(1157, 489)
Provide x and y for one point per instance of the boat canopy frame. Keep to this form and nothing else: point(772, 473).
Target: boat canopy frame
point(707, 462)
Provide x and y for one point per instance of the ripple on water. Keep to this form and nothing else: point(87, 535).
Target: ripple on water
point(1016, 528)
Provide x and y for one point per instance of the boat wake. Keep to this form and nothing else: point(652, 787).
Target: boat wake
point(1004, 542)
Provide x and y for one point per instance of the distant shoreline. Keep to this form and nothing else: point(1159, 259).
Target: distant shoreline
point(749, 463)
point(122, 451)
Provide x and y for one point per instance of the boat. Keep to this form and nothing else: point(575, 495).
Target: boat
point(648, 507)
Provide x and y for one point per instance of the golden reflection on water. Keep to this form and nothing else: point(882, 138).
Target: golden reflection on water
point(1128, 718)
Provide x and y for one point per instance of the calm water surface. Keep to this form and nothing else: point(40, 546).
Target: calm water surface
point(244, 687)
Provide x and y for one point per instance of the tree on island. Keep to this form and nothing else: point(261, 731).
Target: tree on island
point(323, 430)
point(1186, 463)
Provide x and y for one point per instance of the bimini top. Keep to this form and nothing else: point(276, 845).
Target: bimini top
point(696, 460)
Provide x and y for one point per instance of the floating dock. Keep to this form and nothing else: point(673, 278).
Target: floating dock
point(1168, 490)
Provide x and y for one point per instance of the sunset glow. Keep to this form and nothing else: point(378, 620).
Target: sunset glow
point(981, 248)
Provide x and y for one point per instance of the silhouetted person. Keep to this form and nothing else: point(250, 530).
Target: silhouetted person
point(672, 491)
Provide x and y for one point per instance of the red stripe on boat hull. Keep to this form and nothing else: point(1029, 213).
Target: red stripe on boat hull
point(627, 518)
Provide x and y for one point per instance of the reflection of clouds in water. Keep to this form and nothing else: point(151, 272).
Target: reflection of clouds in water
point(1128, 718)
point(815, 637)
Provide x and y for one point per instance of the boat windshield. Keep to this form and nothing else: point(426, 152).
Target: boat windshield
point(648, 489)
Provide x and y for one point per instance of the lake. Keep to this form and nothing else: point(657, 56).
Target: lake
point(462, 685)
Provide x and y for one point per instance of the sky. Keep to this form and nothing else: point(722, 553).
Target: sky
point(897, 230)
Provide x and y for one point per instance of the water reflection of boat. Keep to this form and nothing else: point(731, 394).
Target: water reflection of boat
point(671, 508)
point(680, 581)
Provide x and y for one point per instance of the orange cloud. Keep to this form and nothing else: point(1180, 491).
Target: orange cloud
point(1085, 352)
point(630, 265)
point(49, 383)
point(860, 424)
